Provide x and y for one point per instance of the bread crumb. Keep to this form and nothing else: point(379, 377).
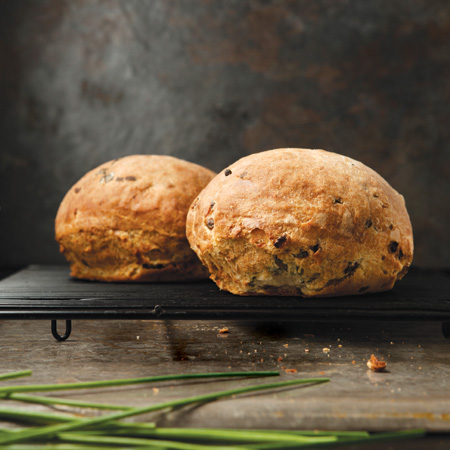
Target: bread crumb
point(307, 350)
point(375, 364)
point(325, 349)
point(224, 330)
point(339, 346)
point(353, 362)
point(155, 390)
point(280, 358)
point(286, 345)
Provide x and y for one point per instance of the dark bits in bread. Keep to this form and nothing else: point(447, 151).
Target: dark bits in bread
point(301, 222)
point(126, 220)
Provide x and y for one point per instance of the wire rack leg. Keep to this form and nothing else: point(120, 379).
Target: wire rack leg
point(61, 337)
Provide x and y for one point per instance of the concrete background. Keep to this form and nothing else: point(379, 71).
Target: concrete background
point(83, 82)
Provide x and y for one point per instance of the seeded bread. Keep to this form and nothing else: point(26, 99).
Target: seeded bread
point(301, 222)
point(126, 220)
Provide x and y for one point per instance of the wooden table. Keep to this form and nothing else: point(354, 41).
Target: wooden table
point(412, 393)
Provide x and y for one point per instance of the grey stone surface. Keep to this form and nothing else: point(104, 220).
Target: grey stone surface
point(83, 82)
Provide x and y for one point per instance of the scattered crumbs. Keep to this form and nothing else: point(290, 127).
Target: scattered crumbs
point(291, 370)
point(240, 351)
point(340, 346)
point(325, 349)
point(420, 368)
point(155, 390)
point(392, 343)
point(353, 362)
point(375, 364)
point(248, 353)
point(338, 339)
point(280, 358)
point(285, 354)
point(137, 337)
point(307, 350)
point(256, 351)
point(286, 345)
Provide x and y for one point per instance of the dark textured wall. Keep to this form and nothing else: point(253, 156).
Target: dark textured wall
point(86, 81)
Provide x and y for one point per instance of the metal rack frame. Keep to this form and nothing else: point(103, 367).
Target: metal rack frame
point(48, 293)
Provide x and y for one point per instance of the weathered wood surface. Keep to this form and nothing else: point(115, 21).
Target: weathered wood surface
point(412, 393)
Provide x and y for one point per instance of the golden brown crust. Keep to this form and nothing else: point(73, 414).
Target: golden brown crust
point(301, 222)
point(125, 220)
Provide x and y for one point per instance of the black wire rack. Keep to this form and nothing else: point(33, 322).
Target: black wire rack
point(49, 293)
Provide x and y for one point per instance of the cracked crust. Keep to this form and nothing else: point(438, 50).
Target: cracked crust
point(301, 222)
point(126, 220)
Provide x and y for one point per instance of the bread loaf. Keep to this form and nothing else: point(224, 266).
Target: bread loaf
point(126, 220)
point(301, 222)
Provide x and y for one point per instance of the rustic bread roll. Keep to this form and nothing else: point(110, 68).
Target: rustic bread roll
point(126, 220)
point(301, 222)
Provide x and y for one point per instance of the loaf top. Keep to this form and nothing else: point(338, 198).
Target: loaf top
point(149, 192)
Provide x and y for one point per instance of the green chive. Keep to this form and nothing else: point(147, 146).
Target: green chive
point(378, 437)
point(9, 376)
point(127, 381)
point(50, 431)
point(216, 434)
point(63, 401)
point(75, 437)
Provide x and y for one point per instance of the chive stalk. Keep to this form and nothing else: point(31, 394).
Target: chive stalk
point(128, 381)
point(50, 431)
point(236, 435)
point(138, 442)
point(63, 401)
point(20, 374)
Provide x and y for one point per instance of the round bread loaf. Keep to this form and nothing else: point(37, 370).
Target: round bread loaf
point(126, 220)
point(301, 222)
